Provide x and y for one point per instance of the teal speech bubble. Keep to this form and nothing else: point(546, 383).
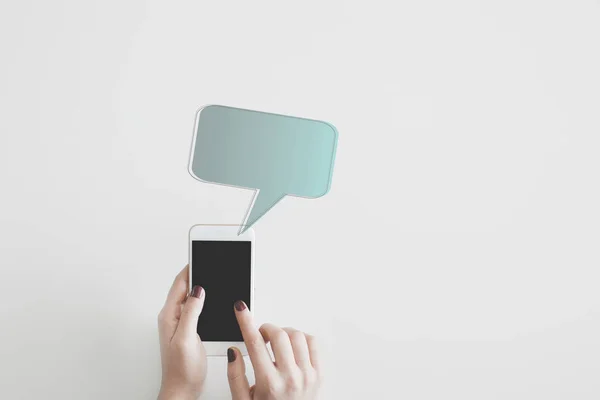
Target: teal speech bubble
point(276, 155)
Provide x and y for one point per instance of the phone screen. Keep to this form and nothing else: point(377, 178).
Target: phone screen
point(222, 268)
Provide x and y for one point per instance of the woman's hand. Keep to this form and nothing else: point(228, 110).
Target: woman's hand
point(295, 374)
point(182, 354)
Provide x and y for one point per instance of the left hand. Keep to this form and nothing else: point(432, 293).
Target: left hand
point(182, 353)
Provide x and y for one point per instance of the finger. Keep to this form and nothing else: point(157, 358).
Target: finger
point(179, 289)
point(313, 351)
point(171, 311)
point(280, 343)
point(188, 323)
point(236, 375)
point(299, 346)
point(257, 349)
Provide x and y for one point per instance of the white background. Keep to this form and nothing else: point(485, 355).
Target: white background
point(457, 255)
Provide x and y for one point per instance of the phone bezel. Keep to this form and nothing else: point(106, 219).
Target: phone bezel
point(229, 233)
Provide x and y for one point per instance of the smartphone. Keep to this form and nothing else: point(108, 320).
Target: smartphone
point(223, 264)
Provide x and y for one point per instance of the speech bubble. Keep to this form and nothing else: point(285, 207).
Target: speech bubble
point(276, 155)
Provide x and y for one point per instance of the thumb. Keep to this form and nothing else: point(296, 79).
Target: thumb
point(188, 322)
point(236, 375)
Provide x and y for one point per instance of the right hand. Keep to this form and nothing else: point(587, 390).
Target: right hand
point(295, 374)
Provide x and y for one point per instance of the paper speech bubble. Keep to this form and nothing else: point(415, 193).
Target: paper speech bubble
point(276, 155)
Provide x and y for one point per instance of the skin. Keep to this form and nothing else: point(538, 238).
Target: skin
point(182, 353)
point(294, 375)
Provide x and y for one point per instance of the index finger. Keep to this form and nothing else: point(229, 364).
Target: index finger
point(257, 349)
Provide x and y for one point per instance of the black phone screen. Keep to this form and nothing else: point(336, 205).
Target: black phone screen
point(222, 268)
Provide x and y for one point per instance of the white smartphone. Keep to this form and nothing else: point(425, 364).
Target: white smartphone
point(223, 264)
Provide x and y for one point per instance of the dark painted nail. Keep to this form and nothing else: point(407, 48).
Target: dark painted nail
point(196, 291)
point(240, 305)
point(231, 355)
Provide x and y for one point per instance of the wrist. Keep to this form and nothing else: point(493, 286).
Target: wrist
point(172, 394)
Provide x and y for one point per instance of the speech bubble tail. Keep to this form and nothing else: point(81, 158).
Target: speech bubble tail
point(262, 202)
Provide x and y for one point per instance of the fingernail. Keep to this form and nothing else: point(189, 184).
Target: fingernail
point(230, 355)
point(196, 291)
point(240, 305)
